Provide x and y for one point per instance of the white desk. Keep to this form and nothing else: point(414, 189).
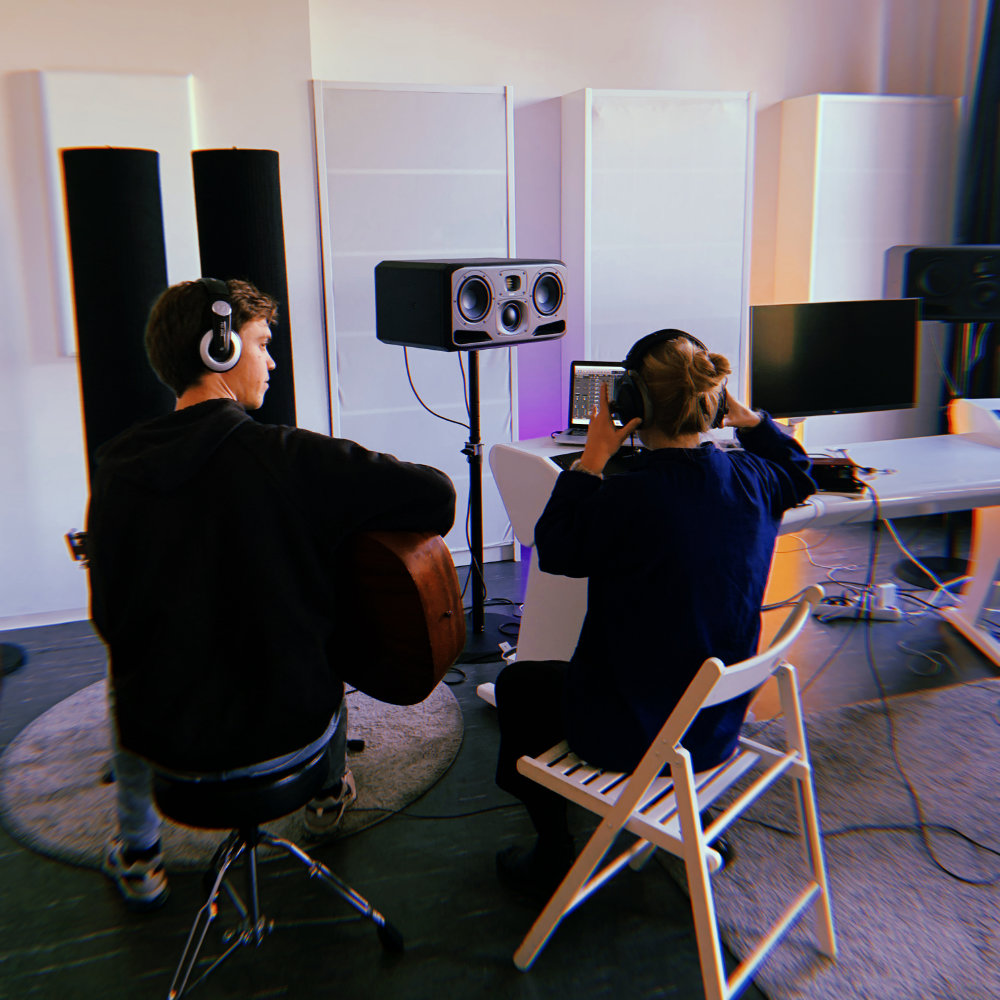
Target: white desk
point(929, 475)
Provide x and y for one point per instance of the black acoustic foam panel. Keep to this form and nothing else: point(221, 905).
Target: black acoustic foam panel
point(241, 235)
point(119, 268)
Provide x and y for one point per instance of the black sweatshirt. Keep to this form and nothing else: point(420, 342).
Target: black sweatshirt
point(213, 545)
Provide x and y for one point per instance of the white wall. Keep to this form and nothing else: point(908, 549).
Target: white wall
point(776, 48)
point(252, 61)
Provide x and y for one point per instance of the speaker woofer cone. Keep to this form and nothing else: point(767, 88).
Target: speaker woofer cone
point(511, 316)
point(474, 299)
point(547, 293)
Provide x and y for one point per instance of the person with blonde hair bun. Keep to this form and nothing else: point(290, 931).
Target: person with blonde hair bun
point(676, 551)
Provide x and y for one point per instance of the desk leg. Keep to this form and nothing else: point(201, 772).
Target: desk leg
point(978, 616)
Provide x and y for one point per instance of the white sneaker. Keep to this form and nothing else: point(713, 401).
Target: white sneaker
point(142, 884)
point(324, 813)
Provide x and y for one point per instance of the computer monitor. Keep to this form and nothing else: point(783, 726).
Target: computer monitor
point(817, 358)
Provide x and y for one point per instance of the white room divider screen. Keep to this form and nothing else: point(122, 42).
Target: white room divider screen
point(861, 173)
point(655, 220)
point(408, 173)
point(142, 111)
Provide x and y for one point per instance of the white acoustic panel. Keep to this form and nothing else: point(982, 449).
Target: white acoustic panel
point(123, 110)
point(410, 173)
point(860, 174)
point(655, 218)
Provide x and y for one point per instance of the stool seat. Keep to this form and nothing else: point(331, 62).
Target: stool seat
point(212, 803)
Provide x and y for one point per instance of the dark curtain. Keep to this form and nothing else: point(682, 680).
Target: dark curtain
point(977, 215)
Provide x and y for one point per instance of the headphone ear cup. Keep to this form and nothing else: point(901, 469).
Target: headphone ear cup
point(632, 400)
point(722, 409)
point(235, 350)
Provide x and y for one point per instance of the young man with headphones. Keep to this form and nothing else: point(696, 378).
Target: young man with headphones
point(213, 546)
point(677, 552)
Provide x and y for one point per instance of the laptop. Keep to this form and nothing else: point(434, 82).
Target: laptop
point(585, 380)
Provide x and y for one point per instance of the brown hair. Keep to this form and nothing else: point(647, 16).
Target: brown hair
point(179, 319)
point(684, 383)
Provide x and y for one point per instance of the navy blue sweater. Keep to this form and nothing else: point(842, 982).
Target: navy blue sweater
point(677, 552)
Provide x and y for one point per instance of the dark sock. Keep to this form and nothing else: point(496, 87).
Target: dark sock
point(132, 854)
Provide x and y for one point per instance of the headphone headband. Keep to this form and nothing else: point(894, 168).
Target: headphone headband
point(642, 347)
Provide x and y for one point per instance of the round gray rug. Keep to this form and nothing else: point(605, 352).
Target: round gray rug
point(53, 798)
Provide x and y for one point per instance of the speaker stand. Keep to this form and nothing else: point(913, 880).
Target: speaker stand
point(480, 641)
point(473, 451)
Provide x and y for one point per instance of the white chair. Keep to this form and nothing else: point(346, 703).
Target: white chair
point(665, 812)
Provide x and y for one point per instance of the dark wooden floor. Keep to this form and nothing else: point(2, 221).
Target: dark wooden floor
point(63, 932)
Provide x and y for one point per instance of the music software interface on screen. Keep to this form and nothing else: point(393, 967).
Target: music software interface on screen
point(587, 389)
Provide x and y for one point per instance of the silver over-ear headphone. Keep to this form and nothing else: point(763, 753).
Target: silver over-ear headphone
point(221, 346)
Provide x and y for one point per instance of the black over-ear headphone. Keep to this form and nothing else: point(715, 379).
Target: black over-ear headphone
point(221, 346)
point(632, 398)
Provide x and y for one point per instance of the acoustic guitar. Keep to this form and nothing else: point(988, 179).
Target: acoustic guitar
point(403, 604)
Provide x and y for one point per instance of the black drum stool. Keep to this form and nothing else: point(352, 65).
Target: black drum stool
point(241, 805)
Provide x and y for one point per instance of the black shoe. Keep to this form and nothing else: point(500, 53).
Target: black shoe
point(536, 871)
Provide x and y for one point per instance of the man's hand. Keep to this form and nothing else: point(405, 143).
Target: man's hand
point(739, 416)
point(603, 437)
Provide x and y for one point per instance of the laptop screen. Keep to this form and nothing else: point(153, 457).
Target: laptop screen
point(585, 380)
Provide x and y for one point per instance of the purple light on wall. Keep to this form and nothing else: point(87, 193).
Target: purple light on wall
point(541, 407)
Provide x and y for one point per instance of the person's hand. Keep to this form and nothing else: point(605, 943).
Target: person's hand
point(738, 415)
point(603, 437)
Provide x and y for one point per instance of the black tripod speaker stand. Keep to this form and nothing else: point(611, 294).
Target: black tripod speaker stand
point(481, 640)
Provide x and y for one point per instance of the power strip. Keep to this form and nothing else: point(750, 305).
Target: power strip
point(878, 606)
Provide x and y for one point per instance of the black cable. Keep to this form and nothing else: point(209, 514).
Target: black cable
point(406, 360)
point(888, 828)
point(922, 825)
point(408, 815)
point(872, 559)
point(465, 389)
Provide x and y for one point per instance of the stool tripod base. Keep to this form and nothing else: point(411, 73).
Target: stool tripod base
point(253, 925)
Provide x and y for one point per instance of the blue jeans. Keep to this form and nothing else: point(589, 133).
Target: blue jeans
point(139, 822)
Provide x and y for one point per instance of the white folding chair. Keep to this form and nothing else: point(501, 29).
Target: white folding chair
point(665, 812)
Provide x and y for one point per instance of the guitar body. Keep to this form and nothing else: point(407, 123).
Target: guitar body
point(403, 608)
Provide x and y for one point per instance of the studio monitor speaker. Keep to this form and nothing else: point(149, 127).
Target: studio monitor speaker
point(957, 284)
point(456, 305)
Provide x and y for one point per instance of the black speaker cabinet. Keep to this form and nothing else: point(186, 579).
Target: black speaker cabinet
point(457, 305)
point(956, 284)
